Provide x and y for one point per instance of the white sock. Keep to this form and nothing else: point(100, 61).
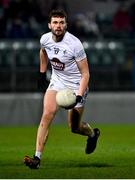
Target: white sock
point(38, 154)
point(92, 133)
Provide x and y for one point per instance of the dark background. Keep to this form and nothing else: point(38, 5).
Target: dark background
point(105, 27)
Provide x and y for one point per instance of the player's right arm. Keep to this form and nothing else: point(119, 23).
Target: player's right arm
point(43, 60)
point(42, 83)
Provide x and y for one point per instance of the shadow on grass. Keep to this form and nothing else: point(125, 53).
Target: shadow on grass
point(72, 164)
point(98, 165)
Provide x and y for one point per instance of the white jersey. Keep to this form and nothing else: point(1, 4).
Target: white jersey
point(63, 56)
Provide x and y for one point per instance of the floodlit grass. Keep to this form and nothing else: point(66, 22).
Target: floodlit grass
point(64, 155)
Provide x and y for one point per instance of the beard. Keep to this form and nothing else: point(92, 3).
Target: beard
point(58, 33)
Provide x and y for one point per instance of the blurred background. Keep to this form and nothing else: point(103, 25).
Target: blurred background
point(107, 31)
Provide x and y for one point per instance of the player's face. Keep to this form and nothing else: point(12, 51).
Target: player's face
point(58, 26)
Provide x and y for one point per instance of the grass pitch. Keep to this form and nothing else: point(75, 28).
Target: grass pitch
point(64, 155)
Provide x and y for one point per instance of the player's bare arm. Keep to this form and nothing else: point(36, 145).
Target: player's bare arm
point(42, 83)
point(84, 69)
point(43, 60)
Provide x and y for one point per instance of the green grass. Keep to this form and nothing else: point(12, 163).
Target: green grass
point(64, 155)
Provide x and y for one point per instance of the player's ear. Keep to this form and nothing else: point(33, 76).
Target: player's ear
point(49, 25)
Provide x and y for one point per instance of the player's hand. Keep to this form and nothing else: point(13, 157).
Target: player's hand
point(79, 99)
point(42, 82)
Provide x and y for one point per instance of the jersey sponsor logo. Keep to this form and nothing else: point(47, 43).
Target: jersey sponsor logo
point(57, 64)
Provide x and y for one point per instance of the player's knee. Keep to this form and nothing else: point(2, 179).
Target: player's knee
point(48, 115)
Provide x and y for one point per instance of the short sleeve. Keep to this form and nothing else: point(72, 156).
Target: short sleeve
point(79, 51)
point(42, 41)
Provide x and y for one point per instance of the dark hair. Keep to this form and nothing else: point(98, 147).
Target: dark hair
point(57, 13)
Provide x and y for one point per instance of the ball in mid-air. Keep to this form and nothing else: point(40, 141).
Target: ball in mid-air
point(65, 98)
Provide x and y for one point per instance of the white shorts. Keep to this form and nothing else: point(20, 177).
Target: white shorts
point(57, 86)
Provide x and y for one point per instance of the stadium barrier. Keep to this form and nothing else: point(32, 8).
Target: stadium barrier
point(111, 65)
point(26, 109)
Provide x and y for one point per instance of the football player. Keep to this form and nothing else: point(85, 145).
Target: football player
point(69, 70)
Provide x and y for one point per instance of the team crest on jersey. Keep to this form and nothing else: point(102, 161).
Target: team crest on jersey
point(56, 50)
point(57, 64)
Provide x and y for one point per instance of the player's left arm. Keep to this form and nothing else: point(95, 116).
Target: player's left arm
point(85, 76)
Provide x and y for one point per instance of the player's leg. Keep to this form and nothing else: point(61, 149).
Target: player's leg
point(49, 110)
point(75, 123)
point(75, 118)
point(83, 128)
